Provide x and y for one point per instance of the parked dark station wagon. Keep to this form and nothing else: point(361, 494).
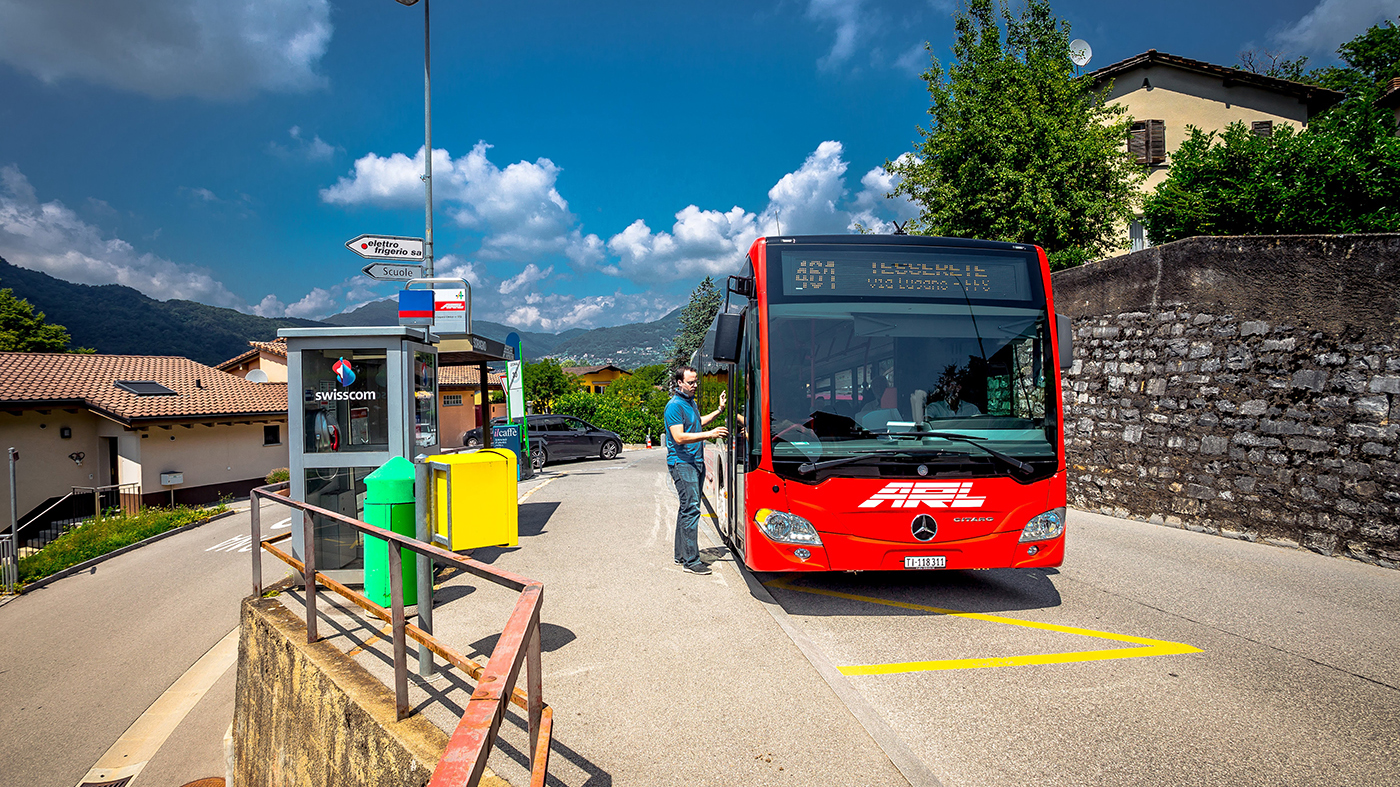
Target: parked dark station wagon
point(556, 437)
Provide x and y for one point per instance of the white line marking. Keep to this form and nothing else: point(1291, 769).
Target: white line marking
point(129, 755)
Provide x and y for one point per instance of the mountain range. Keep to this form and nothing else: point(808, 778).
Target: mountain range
point(118, 320)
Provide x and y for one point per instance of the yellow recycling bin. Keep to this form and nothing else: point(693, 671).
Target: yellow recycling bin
point(474, 499)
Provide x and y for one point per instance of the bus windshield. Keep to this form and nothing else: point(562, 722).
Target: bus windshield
point(882, 377)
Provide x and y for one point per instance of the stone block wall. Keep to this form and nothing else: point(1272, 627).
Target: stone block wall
point(1248, 387)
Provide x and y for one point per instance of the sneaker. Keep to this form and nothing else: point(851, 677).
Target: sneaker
point(698, 568)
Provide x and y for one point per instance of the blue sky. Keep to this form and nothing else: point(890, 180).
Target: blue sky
point(592, 161)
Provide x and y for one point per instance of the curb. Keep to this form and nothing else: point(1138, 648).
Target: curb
point(86, 564)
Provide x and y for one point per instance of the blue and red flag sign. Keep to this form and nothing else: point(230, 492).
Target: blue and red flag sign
point(416, 305)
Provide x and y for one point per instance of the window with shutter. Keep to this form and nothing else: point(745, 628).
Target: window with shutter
point(1264, 128)
point(1137, 141)
point(1156, 142)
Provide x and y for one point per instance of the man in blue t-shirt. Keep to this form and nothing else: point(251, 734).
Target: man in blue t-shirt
point(685, 458)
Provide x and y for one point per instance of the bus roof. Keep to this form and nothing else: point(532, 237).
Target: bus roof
point(899, 240)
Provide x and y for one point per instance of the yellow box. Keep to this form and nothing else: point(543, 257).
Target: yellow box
point(474, 499)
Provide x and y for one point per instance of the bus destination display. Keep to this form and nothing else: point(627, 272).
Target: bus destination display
point(905, 275)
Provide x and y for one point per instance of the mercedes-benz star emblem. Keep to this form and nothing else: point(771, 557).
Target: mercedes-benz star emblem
point(923, 469)
point(924, 527)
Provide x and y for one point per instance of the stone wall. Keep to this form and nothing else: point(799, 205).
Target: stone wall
point(1245, 386)
point(306, 715)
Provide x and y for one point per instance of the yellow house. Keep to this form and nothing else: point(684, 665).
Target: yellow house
point(1165, 94)
point(596, 378)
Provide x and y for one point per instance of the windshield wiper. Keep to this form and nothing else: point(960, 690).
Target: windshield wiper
point(977, 441)
point(812, 467)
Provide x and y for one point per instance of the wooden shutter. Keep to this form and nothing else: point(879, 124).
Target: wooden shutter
point(1137, 142)
point(1263, 128)
point(1156, 142)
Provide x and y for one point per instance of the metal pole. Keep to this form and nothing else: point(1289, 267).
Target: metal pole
point(14, 501)
point(396, 620)
point(255, 514)
point(421, 481)
point(427, 149)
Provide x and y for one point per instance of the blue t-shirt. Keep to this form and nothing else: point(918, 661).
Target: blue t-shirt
point(682, 410)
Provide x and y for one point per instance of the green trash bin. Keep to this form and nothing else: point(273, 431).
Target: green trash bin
point(389, 503)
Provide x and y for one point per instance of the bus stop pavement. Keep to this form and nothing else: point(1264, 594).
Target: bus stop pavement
point(655, 676)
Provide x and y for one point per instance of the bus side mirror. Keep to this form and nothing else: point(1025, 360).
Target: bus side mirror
point(1064, 337)
point(729, 330)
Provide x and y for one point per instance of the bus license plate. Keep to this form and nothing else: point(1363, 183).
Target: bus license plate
point(926, 561)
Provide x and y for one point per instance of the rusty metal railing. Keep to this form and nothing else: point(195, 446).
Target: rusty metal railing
point(464, 760)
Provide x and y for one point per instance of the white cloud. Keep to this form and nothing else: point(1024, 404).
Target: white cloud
point(915, 60)
point(528, 277)
point(846, 16)
point(1332, 23)
point(451, 265)
point(518, 208)
point(556, 313)
point(314, 149)
point(50, 237)
point(220, 49)
point(808, 201)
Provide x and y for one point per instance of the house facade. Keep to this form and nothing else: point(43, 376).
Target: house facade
point(595, 379)
point(167, 428)
point(1166, 94)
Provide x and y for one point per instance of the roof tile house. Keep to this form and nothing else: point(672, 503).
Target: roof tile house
point(1165, 94)
point(106, 420)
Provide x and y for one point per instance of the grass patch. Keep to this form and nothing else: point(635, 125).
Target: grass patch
point(93, 539)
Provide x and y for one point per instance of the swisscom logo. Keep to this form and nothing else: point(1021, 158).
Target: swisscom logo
point(345, 376)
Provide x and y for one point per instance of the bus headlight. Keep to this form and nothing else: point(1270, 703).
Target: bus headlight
point(786, 528)
point(1045, 526)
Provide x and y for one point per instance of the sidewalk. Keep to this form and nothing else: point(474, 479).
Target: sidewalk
point(656, 677)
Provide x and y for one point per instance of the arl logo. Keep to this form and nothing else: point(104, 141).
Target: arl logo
point(934, 494)
point(343, 372)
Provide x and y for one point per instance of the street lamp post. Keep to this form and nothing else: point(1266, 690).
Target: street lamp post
point(427, 145)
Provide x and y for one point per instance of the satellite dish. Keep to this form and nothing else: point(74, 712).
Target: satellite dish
point(256, 376)
point(1080, 52)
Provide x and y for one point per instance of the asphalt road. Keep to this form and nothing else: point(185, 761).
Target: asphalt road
point(1292, 675)
point(84, 657)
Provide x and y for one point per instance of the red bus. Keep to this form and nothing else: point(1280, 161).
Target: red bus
point(895, 403)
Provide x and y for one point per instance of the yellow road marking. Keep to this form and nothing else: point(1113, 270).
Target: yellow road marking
point(1146, 646)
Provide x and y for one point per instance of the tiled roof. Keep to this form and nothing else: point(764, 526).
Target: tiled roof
point(1318, 98)
point(579, 371)
point(451, 376)
point(88, 380)
point(1391, 98)
point(276, 347)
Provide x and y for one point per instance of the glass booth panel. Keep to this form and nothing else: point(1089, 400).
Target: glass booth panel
point(425, 411)
point(346, 400)
point(342, 490)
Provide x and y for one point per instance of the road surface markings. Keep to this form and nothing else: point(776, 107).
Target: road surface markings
point(1146, 646)
point(129, 755)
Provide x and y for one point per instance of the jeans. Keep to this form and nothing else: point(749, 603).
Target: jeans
point(687, 479)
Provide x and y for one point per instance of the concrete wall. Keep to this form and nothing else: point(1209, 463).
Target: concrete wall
point(216, 459)
point(309, 716)
point(44, 469)
point(1243, 386)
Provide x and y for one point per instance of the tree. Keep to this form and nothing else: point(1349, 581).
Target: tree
point(1341, 174)
point(544, 381)
point(1019, 148)
point(695, 321)
point(23, 330)
point(651, 374)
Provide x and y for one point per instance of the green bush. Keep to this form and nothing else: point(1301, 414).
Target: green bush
point(95, 538)
point(608, 412)
point(278, 475)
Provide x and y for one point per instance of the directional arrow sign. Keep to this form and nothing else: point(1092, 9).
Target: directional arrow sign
point(393, 271)
point(387, 247)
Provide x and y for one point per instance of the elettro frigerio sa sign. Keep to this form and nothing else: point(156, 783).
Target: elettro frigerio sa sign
point(387, 247)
